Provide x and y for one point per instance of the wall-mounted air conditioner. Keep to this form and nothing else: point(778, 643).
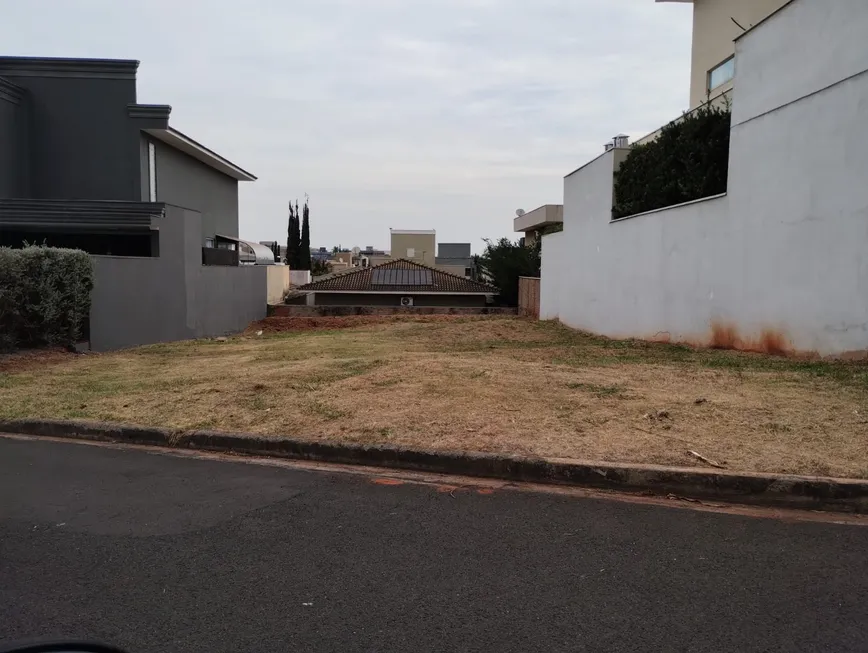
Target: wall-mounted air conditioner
point(406, 301)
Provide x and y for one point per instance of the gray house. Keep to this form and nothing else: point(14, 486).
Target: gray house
point(456, 259)
point(84, 165)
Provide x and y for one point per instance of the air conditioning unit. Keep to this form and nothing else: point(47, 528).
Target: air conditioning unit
point(406, 301)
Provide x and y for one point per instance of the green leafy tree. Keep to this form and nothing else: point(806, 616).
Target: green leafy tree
point(503, 262)
point(319, 268)
point(304, 249)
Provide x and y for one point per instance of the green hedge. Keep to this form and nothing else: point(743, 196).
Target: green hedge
point(44, 296)
point(688, 161)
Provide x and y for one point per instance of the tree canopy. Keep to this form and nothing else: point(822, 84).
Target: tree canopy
point(503, 262)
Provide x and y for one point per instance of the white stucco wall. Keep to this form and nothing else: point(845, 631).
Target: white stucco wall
point(785, 251)
point(278, 283)
point(800, 50)
point(299, 277)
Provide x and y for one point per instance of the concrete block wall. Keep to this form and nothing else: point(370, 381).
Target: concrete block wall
point(137, 301)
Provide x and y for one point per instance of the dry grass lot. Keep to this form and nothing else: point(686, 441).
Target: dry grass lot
point(485, 384)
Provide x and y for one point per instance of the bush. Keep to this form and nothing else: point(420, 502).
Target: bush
point(688, 161)
point(44, 296)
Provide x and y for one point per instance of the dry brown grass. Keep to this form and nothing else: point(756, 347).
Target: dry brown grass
point(495, 384)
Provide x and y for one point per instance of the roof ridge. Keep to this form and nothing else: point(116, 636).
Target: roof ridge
point(402, 263)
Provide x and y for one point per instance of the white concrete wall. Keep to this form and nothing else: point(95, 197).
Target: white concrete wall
point(800, 50)
point(277, 282)
point(299, 277)
point(784, 252)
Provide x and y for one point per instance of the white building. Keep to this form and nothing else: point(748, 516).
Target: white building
point(782, 256)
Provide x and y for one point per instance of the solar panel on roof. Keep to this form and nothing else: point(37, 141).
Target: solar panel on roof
point(399, 277)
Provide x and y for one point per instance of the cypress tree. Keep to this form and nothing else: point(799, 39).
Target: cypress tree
point(304, 249)
point(291, 240)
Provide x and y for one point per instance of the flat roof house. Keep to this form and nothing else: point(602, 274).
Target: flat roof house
point(457, 259)
point(414, 244)
point(537, 222)
point(83, 164)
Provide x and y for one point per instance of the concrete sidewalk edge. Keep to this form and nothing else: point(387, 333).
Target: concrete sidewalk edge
point(806, 492)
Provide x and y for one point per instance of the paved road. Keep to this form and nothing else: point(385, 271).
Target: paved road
point(159, 553)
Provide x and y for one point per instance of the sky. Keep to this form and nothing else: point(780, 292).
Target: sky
point(409, 114)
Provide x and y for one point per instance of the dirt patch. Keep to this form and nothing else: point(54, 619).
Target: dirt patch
point(20, 361)
point(284, 324)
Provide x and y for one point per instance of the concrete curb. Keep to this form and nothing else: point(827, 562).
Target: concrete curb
point(806, 492)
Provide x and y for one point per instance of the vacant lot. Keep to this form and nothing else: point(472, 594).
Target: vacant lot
point(495, 384)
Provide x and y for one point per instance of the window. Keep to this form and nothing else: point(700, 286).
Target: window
point(411, 252)
point(152, 172)
point(209, 242)
point(468, 272)
point(721, 74)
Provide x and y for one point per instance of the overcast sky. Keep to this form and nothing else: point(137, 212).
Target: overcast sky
point(414, 114)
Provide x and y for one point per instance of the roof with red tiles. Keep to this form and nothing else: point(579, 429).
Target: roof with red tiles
point(400, 275)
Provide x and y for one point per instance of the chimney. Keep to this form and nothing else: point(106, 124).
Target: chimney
point(621, 141)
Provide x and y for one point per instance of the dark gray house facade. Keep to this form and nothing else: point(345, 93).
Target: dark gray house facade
point(84, 165)
point(74, 137)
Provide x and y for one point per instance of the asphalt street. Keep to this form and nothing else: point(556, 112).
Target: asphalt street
point(158, 553)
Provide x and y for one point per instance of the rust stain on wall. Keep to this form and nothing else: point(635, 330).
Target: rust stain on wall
point(726, 335)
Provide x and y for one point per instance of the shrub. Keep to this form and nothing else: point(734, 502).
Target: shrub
point(688, 161)
point(44, 296)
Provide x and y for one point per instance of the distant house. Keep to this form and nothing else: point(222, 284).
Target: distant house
point(396, 283)
point(321, 254)
point(536, 223)
point(414, 244)
point(456, 258)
